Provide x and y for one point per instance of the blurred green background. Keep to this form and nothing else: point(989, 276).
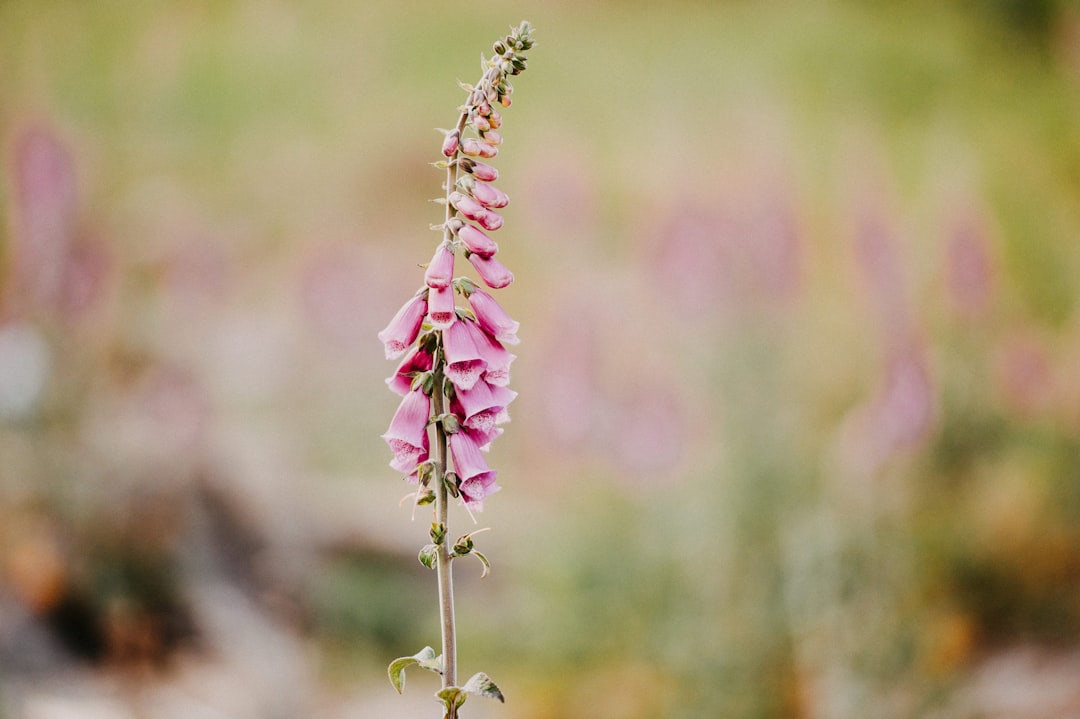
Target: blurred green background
point(799, 425)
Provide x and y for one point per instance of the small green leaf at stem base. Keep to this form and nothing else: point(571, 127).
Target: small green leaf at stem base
point(425, 659)
point(452, 698)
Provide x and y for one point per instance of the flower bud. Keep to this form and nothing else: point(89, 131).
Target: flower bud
point(450, 144)
point(440, 271)
point(489, 196)
point(495, 119)
point(491, 271)
point(438, 532)
point(477, 242)
point(491, 137)
point(481, 171)
point(473, 147)
point(467, 206)
point(490, 220)
point(499, 47)
point(428, 556)
point(480, 122)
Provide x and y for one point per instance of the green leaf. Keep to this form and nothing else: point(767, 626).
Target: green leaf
point(425, 659)
point(452, 695)
point(481, 685)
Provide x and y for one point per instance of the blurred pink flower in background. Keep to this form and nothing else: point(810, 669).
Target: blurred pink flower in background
point(969, 266)
point(56, 266)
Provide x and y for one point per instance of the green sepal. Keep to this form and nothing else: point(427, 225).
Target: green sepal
point(450, 422)
point(480, 685)
point(425, 659)
point(426, 498)
point(438, 532)
point(428, 555)
point(450, 479)
point(463, 546)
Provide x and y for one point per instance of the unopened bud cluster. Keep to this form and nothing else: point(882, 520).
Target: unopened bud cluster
point(456, 368)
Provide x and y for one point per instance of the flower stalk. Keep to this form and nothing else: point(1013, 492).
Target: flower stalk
point(455, 371)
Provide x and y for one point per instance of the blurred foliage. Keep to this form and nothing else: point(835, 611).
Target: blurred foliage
point(798, 430)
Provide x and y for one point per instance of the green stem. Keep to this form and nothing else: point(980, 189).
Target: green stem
point(444, 566)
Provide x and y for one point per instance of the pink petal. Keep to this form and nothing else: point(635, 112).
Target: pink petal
point(441, 307)
point(467, 206)
point(407, 435)
point(489, 196)
point(491, 220)
point(484, 406)
point(450, 144)
point(464, 364)
point(477, 479)
point(491, 271)
point(493, 318)
point(476, 241)
point(404, 327)
point(440, 271)
point(480, 170)
point(416, 361)
point(496, 357)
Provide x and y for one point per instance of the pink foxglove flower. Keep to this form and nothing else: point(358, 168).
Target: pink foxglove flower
point(477, 479)
point(464, 364)
point(407, 435)
point(405, 327)
point(453, 381)
point(441, 311)
point(488, 195)
point(496, 358)
point(493, 318)
point(477, 242)
point(418, 360)
point(484, 405)
point(491, 271)
point(440, 271)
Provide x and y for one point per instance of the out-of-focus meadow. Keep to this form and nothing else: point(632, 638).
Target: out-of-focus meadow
point(798, 432)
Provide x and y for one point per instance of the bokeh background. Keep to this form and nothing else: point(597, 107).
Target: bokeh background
point(799, 425)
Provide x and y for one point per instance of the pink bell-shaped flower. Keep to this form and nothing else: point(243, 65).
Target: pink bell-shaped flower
point(440, 271)
point(493, 318)
point(477, 479)
point(407, 435)
point(404, 327)
point(418, 360)
point(464, 364)
point(441, 309)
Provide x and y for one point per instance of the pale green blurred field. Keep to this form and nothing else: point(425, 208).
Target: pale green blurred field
point(798, 432)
